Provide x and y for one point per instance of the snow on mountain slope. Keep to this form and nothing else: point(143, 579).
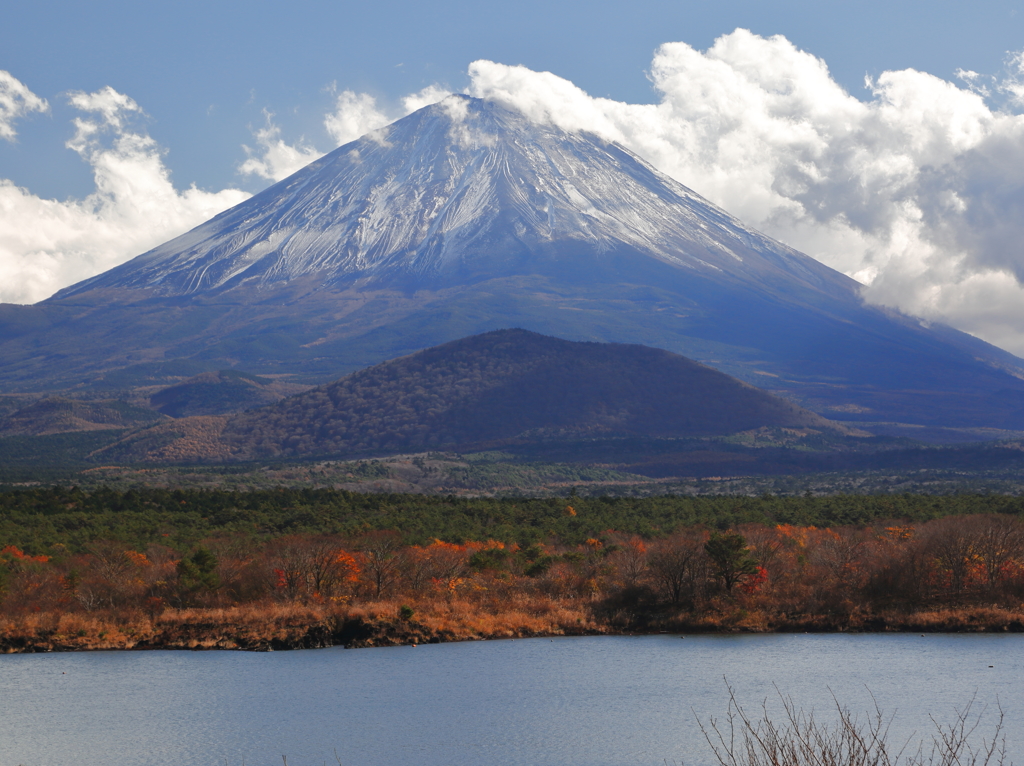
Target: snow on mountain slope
point(463, 184)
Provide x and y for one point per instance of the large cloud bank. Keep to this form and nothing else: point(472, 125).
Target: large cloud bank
point(49, 244)
point(916, 190)
point(916, 187)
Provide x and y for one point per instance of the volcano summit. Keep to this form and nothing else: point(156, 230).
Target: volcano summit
point(466, 217)
point(461, 191)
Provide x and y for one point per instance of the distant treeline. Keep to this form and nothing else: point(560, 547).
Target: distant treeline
point(35, 520)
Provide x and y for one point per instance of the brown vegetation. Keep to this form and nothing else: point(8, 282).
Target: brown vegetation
point(953, 574)
point(192, 439)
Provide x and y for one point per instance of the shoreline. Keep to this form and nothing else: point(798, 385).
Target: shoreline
point(367, 626)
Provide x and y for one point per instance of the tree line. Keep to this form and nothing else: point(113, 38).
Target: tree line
point(36, 519)
point(752, 575)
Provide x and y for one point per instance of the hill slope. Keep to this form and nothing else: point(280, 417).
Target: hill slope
point(59, 415)
point(218, 393)
point(508, 386)
point(465, 217)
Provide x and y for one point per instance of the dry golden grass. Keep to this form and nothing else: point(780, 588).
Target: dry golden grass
point(51, 631)
point(249, 615)
point(465, 619)
point(965, 619)
point(435, 617)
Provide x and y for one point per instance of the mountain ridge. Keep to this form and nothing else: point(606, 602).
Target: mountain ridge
point(466, 217)
point(485, 391)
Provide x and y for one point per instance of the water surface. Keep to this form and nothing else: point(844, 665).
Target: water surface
point(570, 701)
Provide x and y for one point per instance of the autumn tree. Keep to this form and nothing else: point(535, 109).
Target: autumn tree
point(765, 543)
point(382, 559)
point(441, 564)
point(317, 567)
point(953, 544)
point(900, 570)
point(21, 577)
point(840, 553)
point(112, 575)
point(1000, 545)
point(631, 559)
point(678, 566)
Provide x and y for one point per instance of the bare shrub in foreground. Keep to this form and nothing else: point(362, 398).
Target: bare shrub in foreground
point(800, 740)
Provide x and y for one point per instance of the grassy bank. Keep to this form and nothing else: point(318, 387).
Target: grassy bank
point(267, 627)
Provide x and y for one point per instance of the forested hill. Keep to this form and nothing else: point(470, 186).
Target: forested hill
point(56, 415)
point(492, 389)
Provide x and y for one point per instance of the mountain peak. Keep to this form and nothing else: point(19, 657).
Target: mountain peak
point(460, 189)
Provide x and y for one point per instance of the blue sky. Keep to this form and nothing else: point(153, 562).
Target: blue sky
point(914, 192)
point(204, 71)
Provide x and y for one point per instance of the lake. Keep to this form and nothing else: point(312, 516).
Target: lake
point(600, 700)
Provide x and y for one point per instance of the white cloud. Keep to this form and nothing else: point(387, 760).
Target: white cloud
point(48, 244)
point(429, 95)
point(1013, 84)
point(16, 100)
point(463, 129)
point(917, 190)
point(276, 159)
point(354, 115)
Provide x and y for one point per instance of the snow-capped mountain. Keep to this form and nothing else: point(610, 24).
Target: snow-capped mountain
point(466, 217)
point(461, 187)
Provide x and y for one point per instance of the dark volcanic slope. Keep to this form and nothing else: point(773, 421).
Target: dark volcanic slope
point(510, 385)
point(214, 393)
point(465, 217)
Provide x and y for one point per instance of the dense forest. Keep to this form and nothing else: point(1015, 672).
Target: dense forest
point(34, 520)
point(292, 568)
